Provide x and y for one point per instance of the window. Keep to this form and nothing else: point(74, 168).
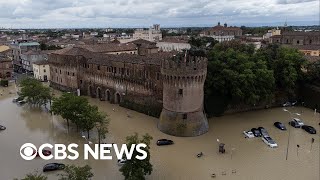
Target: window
point(61, 79)
point(60, 71)
point(56, 71)
point(98, 67)
point(80, 81)
point(180, 91)
point(44, 70)
point(72, 74)
point(184, 116)
point(298, 42)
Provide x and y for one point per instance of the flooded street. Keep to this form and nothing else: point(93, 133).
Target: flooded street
point(250, 159)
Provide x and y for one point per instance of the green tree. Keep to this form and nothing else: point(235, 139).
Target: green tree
point(236, 75)
point(89, 117)
point(34, 91)
point(34, 176)
point(76, 173)
point(135, 169)
point(287, 65)
point(312, 75)
point(70, 107)
point(102, 126)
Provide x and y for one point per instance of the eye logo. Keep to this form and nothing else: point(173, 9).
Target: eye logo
point(28, 151)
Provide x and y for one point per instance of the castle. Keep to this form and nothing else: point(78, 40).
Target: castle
point(168, 85)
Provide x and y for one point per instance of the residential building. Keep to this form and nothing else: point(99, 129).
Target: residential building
point(152, 34)
point(41, 70)
point(6, 66)
point(19, 48)
point(222, 33)
point(297, 38)
point(30, 57)
point(272, 32)
point(173, 44)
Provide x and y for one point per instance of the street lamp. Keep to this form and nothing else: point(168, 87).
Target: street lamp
point(291, 115)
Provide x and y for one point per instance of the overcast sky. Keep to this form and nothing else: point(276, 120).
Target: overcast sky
point(142, 13)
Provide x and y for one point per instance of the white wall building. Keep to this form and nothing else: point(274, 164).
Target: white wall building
point(152, 34)
point(41, 70)
point(173, 44)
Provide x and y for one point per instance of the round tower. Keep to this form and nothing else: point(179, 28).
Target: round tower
point(183, 80)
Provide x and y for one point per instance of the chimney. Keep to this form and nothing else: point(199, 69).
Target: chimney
point(138, 46)
point(218, 23)
point(225, 25)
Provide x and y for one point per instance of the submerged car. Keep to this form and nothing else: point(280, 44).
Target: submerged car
point(289, 103)
point(53, 167)
point(22, 102)
point(161, 142)
point(263, 131)
point(294, 124)
point(17, 99)
point(297, 123)
point(256, 132)
point(280, 126)
point(122, 161)
point(269, 141)
point(2, 128)
point(44, 152)
point(309, 129)
point(248, 134)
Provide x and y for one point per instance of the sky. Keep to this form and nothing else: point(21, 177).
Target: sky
point(143, 13)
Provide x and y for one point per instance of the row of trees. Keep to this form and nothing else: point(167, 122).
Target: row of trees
point(237, 73)
point(71, 172)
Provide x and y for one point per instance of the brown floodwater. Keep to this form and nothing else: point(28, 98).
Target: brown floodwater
point(250, 158)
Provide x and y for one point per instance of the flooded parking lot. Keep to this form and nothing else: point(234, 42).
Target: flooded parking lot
point(247, 158)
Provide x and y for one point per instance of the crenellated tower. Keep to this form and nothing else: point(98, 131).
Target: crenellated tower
point(183, 81)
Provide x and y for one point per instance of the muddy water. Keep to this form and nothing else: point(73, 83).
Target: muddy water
point(251, 158)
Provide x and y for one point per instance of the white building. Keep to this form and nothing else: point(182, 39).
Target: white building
point(272, 32)
point(173, 44)
point(41, 70)
point(152, 34)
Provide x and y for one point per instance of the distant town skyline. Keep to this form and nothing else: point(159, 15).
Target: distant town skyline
point(168, 13)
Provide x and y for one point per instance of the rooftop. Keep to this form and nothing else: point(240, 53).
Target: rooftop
point(42, 62)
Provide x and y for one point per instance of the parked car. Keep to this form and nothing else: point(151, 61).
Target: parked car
point(17, 99)
point(256, 132)
point(2, 128)
point(280, 126)
point(309, 129)
point(298, 121)
point(263, 131)
point(161, 142)
point(294, 124)
point(248, 134)
point(122, 161)
point(269, 141)
point(53, 167)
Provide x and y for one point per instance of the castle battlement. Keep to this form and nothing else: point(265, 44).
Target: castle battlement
point(184, 65)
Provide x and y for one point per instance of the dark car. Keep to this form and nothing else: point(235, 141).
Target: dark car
point(2, 128)
point(294, 124)
point(44, 152)
point(161, 142)
point(309, 129)
point(256, 132)
point(53, 167)
point(280, 126)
